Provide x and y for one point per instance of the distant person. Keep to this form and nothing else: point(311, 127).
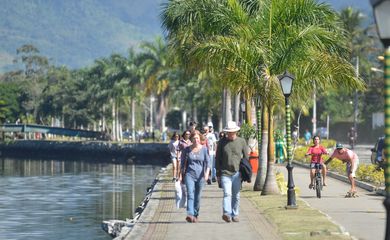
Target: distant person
point(280, 148)
point(295, 135)
point(307, 136)
point(350, 159)
point(230, 150)
point(185, 140)
point(175, 155)
point(211, 144)
point(195, 168)
point(316, 151)
point(192, 126)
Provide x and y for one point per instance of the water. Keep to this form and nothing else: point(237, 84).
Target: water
point(67, 199)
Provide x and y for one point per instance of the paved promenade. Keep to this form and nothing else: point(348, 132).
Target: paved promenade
point(361, 218)
point(161, 219)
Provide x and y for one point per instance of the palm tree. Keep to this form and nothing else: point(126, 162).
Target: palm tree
point(251, 42)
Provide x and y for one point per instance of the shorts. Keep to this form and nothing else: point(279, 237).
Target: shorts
point(313, 165)
point(348, 168)
point(174, 159)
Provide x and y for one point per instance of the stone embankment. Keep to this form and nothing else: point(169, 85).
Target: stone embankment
point(99, 151)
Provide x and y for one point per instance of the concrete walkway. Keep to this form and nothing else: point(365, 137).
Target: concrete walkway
point(161, 219)
point(363, 217)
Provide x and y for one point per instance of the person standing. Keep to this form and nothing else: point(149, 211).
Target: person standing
point(230, 150)
point(316, 151)
point(350, 159)
point(195, 168)
point(211, 144)
point(175, 154)
point(307, 136)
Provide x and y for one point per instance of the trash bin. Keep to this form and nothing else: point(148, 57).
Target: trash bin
point(254, 161)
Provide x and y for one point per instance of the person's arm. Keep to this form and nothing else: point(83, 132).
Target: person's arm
point(218, 159)
point(308, 153)
point(208, 165)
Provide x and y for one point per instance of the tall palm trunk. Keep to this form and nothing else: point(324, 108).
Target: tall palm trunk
point(262, 171)
point(228, 110)
point(237, 107)
point(270, 185)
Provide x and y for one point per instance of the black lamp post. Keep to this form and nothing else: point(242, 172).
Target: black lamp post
point(382, 17)
point(259, 181)
point(286, 82)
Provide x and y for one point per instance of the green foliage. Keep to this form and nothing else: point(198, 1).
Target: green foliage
point(247, 131)
point(174, 119)
point(9, 102)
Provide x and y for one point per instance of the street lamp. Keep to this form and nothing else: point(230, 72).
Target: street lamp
point(286, 82)
point(261, 173)
point(382, 18)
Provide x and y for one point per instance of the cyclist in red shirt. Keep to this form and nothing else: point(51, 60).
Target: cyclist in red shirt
point(316, 151)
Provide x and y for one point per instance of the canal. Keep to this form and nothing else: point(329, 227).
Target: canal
point(53, 199)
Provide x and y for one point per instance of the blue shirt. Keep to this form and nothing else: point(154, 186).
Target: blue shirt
point(195, 164)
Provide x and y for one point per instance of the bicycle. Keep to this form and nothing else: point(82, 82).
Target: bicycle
point(318, 179)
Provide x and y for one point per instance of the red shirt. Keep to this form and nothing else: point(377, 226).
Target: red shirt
point(316, 153)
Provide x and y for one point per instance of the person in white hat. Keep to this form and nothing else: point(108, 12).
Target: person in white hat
point(230, 151)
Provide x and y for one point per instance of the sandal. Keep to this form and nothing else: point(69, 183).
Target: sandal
point(311, 185)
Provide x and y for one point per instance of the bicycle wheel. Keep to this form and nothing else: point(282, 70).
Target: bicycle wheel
point(318, 185)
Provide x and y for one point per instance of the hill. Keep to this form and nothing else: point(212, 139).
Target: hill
point(75, 32)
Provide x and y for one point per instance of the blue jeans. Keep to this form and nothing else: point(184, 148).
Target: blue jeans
point(194, 190)
point(213, 170)
point(231, 194)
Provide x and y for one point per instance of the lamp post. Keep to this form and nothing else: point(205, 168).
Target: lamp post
point(258, 182)
point(382, 18)
point(286, 83)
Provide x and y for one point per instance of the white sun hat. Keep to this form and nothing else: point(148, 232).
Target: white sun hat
point(231, 127)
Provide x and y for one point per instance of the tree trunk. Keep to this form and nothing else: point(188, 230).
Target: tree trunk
point(270, 185)
point(237, 107)
point(228, 110)
point(262, 171)
point(113, 120)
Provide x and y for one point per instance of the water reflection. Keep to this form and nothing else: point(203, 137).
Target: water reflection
point(67, 199)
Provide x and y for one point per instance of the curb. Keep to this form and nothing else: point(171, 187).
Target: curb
point(367, 186)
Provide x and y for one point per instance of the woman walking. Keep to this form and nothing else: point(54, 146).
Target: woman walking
point(195, 167)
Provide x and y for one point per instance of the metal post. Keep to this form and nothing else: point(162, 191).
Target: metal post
point(257, 186)
point(387, 139)
point(291, 201)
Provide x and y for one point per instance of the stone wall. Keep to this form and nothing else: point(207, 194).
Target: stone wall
point(99, 151)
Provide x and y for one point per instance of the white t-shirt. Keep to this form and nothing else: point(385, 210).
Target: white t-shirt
point(211, 140)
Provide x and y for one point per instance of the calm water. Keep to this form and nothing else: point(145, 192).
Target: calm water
point(67, 199)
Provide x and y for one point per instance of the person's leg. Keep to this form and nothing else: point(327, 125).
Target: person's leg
point(174, 166)
point(190, 185)
point(213, 170)
point(324, 174)
point(198, 194)
point(177, 168)
point(312, 174)
point(350, 177)
point(236, 185)
point(227, 196)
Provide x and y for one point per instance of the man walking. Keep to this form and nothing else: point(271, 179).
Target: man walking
point(230, 151)
point(211, 144)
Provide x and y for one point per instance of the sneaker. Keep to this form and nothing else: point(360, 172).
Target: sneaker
point(214, 179)
point(226, 218)
point(208, 181)
point(174, 179)
point(324, 184)
point(235, 219)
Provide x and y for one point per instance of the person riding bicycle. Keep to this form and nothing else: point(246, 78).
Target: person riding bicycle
point(350, 158)
point(316, 151)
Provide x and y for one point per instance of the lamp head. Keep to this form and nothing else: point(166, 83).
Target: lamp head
point(286, 82)
point(382, 18)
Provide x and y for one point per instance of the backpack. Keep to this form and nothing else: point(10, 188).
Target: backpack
point(245, 170)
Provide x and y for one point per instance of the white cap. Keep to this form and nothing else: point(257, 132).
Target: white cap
point(210, 124)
